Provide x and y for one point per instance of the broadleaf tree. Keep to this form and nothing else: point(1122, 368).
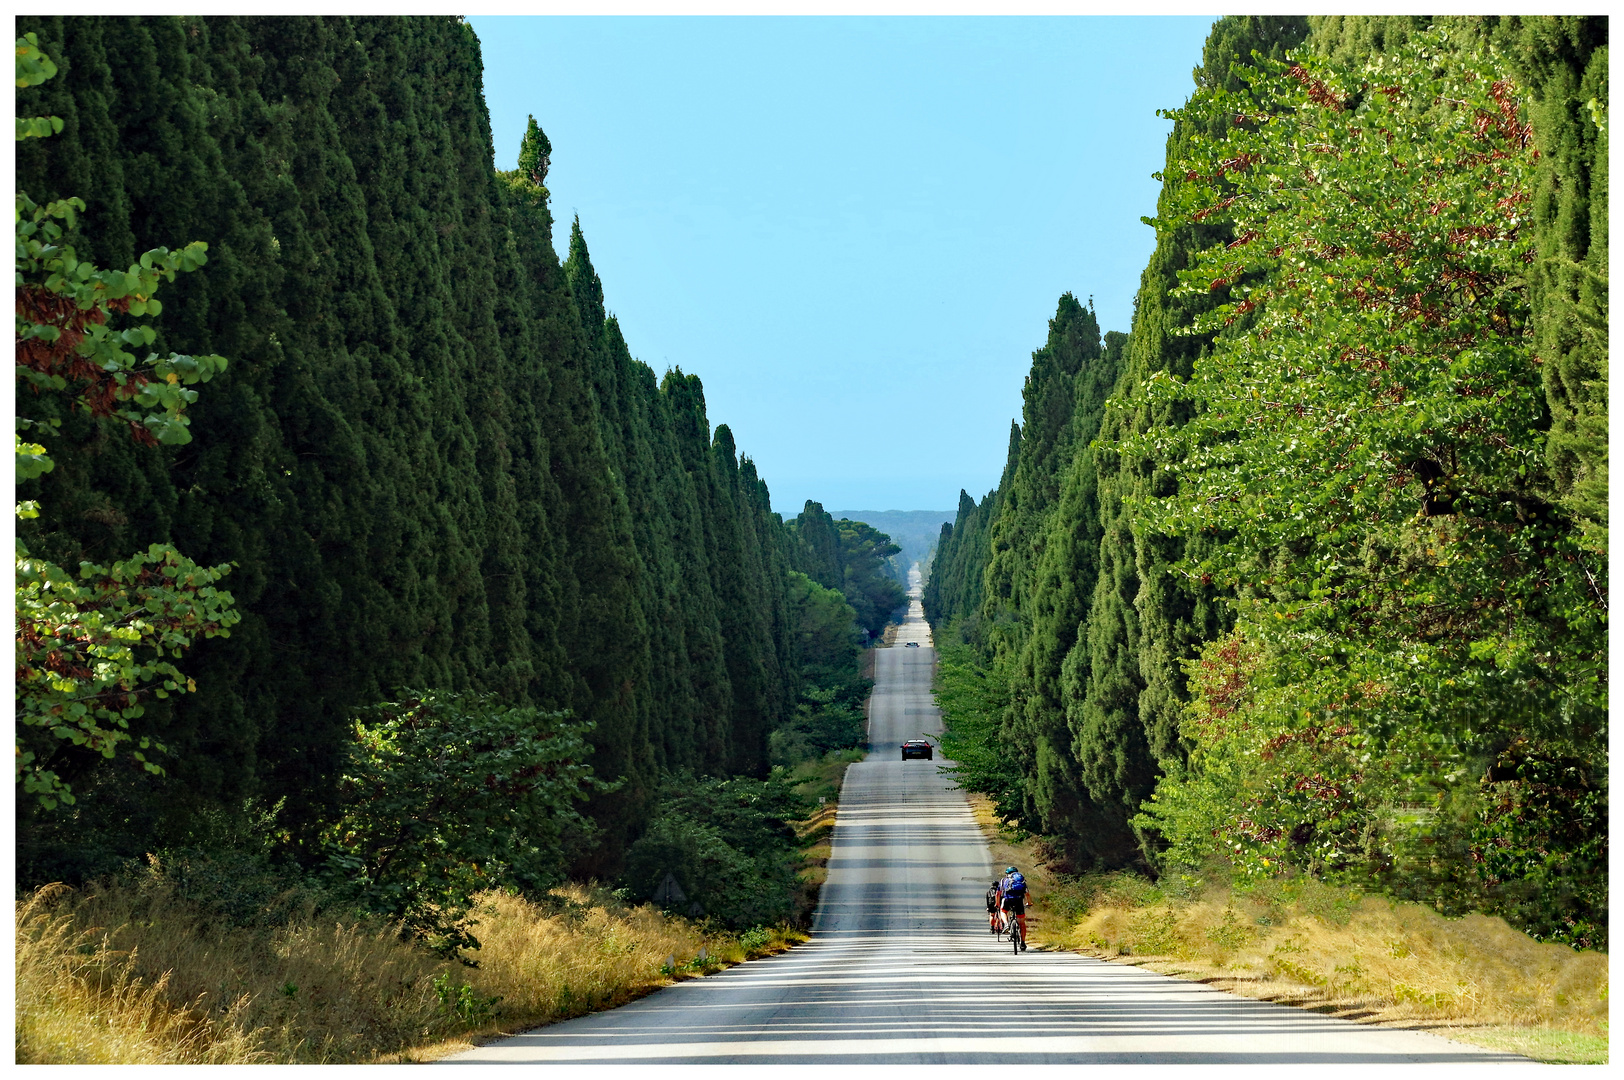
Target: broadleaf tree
point(92, 647)
point(1367, 457)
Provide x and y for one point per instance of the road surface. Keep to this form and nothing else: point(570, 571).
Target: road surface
point(901, 968)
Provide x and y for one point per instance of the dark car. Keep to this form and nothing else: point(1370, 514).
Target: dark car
point(913, 645)
point(918, 748)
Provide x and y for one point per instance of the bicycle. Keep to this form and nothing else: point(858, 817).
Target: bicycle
point(1012, 925)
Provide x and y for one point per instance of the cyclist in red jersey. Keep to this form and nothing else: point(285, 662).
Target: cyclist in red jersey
point(1012, 897)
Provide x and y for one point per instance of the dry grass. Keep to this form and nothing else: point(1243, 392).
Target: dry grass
point(1011, 848)
point(819, 778)
point(543, 968)
point(135, 975)
point(1336, 951)
point(1328, 947)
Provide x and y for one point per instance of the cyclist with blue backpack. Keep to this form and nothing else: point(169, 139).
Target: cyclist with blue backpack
point(1012, 893)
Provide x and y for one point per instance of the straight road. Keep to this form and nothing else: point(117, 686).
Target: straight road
point(901, 967)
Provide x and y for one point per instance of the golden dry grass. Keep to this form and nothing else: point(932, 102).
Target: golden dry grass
point(132, 975)
point(1402, 960)
point(1304, 943)
point(821, 777)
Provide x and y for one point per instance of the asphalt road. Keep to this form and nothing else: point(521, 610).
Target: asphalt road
point(901, 967)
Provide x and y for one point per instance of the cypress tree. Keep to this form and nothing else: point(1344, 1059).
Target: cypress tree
point(783, 665)
point(1047, 442)
point(817, 546)
point(1144, 619)
point(709, 642)
point(1018, 538)
point(954, 591)
point(535, 154)
point(603, 627)
point(1062, 591)
point(742, 608)
point(433, 457)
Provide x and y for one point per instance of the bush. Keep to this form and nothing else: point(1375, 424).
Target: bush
point(449, 795)
point(728, 844)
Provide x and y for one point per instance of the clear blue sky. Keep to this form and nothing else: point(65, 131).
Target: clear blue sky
point(853, 230)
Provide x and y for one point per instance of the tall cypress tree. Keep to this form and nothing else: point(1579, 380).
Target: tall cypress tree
point(817, 546)
point(710, 638)
point(741, 600)
point(954, 592)
point(783, 666)
point(1018, 538)
point(1145, 619)
point(433, 459)
point(1061, 593)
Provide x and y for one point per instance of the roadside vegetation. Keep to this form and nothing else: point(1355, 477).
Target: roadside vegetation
point(819, 784)
point(591, 656)
point(138, 973)
point(205, 959)
point(1283, 637)
point(1339, 951)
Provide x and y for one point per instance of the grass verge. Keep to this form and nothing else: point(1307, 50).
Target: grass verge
point(1336, 951)
point(132, 974)
point(820, 778)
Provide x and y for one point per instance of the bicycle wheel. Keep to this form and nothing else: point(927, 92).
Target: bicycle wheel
point(1015, 936)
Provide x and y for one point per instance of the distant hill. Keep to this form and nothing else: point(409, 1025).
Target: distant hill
point(915, 531)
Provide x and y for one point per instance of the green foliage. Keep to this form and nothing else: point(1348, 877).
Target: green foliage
point(728, 844)
point(825, 628)
point(63, 340)
point(828, 710)
point(1369, 446)
point(91, 651)
point(1560, 63)
point(973, 704)
point(535, 154)
point(460, 1000)
point(1372, 444)
point(33, 68)
point(447, 795)
point(825, 719)
point(850, 557)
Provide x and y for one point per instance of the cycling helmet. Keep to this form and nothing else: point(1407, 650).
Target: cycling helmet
point(1010, 870)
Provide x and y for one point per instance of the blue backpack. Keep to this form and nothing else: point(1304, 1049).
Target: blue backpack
point(1015, 885)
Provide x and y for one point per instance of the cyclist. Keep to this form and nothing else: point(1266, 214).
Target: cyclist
point(1012, 894)
point(993, 896)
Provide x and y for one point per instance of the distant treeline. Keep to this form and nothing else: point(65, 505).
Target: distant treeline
point(1309, 570)
point(433, 461)
point(914, 531)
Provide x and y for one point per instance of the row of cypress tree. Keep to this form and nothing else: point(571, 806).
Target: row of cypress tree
point(433, 463)
point(1077, 614)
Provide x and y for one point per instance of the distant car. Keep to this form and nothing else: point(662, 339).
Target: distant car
point(918, 748)
point(913, 645)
